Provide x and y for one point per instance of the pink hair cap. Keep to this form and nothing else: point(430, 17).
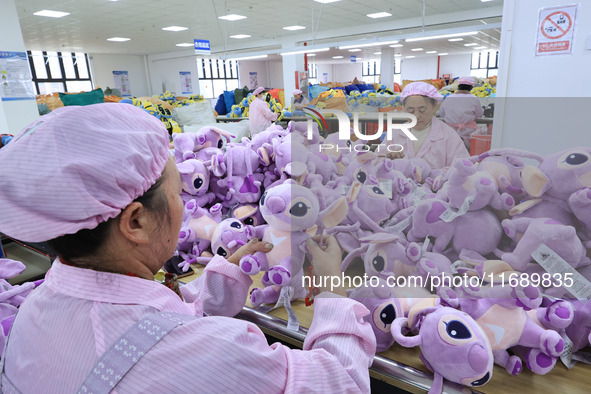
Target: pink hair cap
point(258, 90)
point(421, 89)
point(466, 81)
point(77, 167)
point(296, 92)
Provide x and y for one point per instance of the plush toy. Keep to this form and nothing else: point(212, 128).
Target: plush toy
point(186, 145)
point(501, 312)
point(579, 331)
point(229, 236)
point(195, 179)
point(386, 303)
point(465, 181)
point(453, 346)
point(479, 231)
point(238, 164)
point(290, 210)
point(531, 233)
point(249, 214)
point(198, 227)
point(369, 205)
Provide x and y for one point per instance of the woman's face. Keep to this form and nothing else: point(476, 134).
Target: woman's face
point(422, 108)
point(168, 234)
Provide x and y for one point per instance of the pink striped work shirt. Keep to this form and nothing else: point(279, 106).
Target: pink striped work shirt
point(65, 325)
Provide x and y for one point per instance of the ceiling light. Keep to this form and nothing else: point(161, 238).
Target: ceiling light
point(410, 57)
point(398, 54)
point(455, 39)
point(471, 44)
point(370, 44)
point(240, 36)
point(51, 14)
point(377, 53)
point(118, 39)
point(232, 17)
point(354, 50)
point(396, 46)
point(379, 15)
point(416, 49)
point(479, 47)
point(175, 28)
point(443, 54)
point(294, 27)
point(485, 1)
point(469, 33)
point(326, 1)
point(248, 57)
point(358, 58)
point(185, 44)
point(311, 54)
point(304, 51)
point(337, 57)
point(431, 52)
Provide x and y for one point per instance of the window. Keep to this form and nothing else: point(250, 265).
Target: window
point(484, 64)
point(216, 75)
point(59, 72)
point(372, 70)
point(312, 74)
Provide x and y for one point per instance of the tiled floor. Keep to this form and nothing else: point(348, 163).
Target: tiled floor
point(36, 263)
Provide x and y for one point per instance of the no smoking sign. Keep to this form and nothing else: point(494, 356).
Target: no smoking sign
point(556, 30)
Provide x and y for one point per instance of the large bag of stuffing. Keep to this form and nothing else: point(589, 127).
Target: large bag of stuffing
point(194, 114)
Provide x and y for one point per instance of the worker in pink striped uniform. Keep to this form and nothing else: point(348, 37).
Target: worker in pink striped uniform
point(461, 109)
point(260, 116)
point(98, 183)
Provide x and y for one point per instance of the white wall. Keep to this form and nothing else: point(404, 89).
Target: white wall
point(164, 74)
point(345, 72)
point(103, 66)
point(422, 67)
point(276, 75)
point(456, 65)
point(14, 115)
point(269, 73)
point(547, 99)
point(325, 68)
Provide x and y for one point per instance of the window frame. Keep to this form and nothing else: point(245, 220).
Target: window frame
point(486, 62)
point(222, 71)
point(63, 80)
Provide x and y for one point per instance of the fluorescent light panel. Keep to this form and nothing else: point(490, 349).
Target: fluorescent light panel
point(472, 44)
point(417, 49)
point(430, 52)
point(379, 15)
point(304, 51)
point(455, 39)
point(311, 54)
point(118, 39)
point(326, 1)
point(51, 14)
point(355, 50)
point(469, 33)
point(337, 57)
point(410, 57)
point(249, 57)
point(396, 46)
point(443, 54)
point(240, 36)
point(377, 53)
point(479, 47)
point(175, 28)
point(371, 44)
point(185, 44)
point(294, 27)
point(232, 17)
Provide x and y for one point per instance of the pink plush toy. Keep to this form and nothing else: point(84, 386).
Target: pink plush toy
point(387, 303)
point(290, 211)
point(195, 179)
point(370, 206)
point(453, 346)
point(238, 164)
point(531, 233)
point(479, 231)
point(229, 236)
point(248, 214)
point(465, 181)
point(197, 229)
point(501, 312)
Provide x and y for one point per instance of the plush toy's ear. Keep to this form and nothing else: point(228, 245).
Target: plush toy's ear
point(264, 155)
point(364, 157)
point(413, 251)
point(184, 167)
point(223, 133)
point(535, 182)
point(354, 192)
point(398, 326)
point(380, 238)
point(335, 213)
point(296, 168)
point(351, 256)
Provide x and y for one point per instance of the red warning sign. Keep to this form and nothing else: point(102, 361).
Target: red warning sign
point(556, 30)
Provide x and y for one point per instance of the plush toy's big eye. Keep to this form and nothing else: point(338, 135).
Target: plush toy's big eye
point(220, 143)
point(378, 263)
point(575, 159)
point(299, 209)
point(236, 224)
point(198, 183)
point(458, 330)
point(221, 251)
point(482, 380)
point(249, 221)
point(361, 176)
point(349, 143)
point(377, 190)
point(263, 199)
point(388, 314)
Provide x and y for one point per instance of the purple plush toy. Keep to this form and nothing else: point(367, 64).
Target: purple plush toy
point(229, 236)
point(453, 346)
point(186, 145)
point(248, 214)
point(290, 211)
point(195, 178)
point(197, 229)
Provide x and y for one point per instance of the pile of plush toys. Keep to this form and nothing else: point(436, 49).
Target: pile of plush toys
point(241, 109)
point(483, 219)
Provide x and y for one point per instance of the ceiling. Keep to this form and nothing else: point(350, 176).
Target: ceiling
point(91, 22)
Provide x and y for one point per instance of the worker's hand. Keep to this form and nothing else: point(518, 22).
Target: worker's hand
point(395, 155)
point(254, 245)
point(326, 260)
